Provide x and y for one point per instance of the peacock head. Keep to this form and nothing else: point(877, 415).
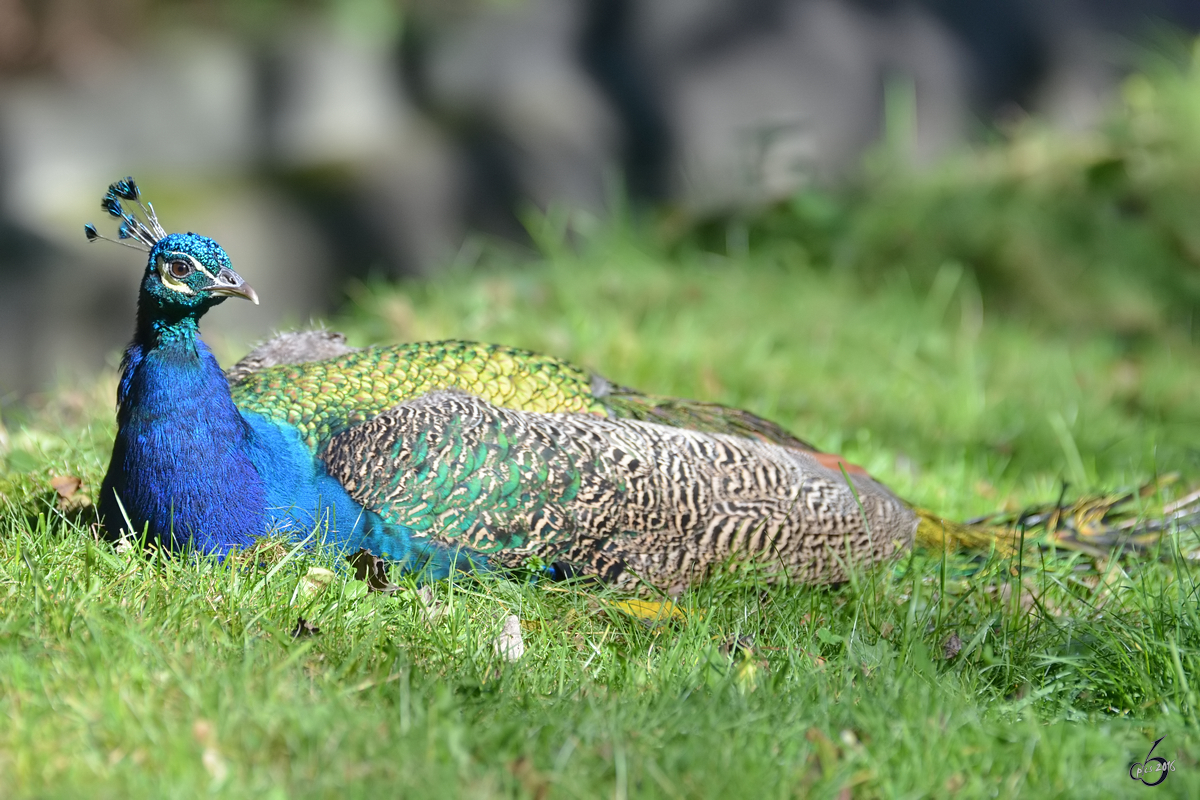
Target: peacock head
point(186, 273)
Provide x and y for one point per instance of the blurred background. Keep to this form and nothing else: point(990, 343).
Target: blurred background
point(1033, 143)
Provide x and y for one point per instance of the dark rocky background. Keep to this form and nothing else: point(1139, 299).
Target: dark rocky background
point(320, 141)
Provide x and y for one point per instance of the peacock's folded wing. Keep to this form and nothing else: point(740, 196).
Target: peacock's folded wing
point(622, 499)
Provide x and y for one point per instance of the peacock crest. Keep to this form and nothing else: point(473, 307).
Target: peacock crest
point(134, 232)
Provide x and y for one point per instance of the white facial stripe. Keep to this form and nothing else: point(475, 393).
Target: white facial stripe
point(200, 267)
point(172, 283)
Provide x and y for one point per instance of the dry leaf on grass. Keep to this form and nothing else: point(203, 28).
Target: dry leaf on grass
point(65, 485)
point(536, 784)
point(432, 610)
point(70, 499)
point(304, 629)
point(373, 570)
point(315, 581)
point(952, 646)
point(205, 734)
point(738, 645)
point(649, 612)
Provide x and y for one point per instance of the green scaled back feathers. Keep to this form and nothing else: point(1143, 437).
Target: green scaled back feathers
point(322, 398)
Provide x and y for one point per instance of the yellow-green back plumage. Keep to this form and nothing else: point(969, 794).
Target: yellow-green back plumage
point(321, 398)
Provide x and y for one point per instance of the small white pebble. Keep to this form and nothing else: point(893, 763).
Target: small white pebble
point(509, 645)
point(430, 607)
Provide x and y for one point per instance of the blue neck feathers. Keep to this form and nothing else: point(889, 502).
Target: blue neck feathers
point(181, 462)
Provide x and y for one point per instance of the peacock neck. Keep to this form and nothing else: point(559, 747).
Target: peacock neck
point(180, 462)
point(167, 364)
point(159, 327)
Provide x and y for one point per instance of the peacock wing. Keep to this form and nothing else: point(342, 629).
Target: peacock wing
point(625, 500)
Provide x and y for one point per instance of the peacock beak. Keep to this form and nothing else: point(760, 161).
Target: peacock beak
point(230, 284)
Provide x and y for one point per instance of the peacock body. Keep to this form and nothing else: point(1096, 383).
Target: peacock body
point(455, 455)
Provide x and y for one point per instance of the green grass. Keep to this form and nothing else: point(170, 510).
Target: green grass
point(127, 674)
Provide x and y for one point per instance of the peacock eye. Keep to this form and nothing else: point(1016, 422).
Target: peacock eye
point(179, 269)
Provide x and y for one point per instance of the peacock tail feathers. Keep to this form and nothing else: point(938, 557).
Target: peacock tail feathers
point(1098, 525)
point(935, 532)
point(1101, 525)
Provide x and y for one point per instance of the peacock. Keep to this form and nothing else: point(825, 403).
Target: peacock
point(456, 456)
